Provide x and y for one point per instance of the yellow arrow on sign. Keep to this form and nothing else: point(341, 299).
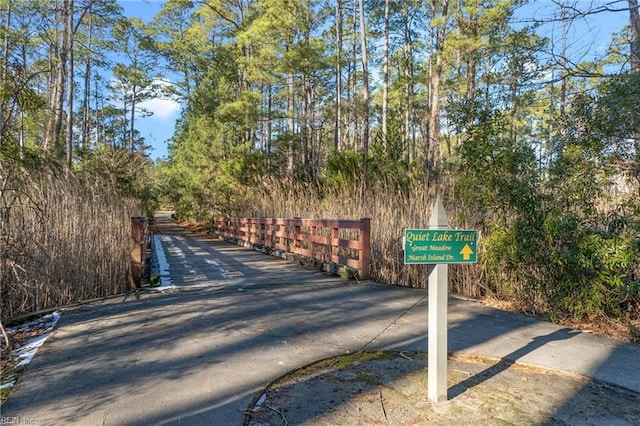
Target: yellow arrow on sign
point(466, 252)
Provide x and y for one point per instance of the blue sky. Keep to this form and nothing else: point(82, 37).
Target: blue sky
point(591, 36)
point(158, 128)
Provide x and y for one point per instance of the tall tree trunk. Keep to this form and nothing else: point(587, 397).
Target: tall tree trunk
point(291, 124)
point(86, 116)
point(353, 72)
point(306, 123)
point(23, 136)
point(134, 94)
point(365, 81)
point(262, 126)
point(337, 139)
point(54, 126)
point(124, 124)
point(433, 140)
point(409, 113)
point(385, 71)
point(86, 93)
point(634, 24)
point(99, 132)
point(472, 59)
point(69, 48)
point(563, 61)
point(307, 100)
point(269, 120)
point(552, 129)
point(4, 116)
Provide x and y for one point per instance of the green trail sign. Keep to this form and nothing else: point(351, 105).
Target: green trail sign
point(439, 246)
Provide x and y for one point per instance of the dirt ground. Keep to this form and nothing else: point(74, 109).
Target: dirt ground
point(390, 388)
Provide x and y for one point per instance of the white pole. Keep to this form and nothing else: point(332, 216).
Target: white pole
point(437, 347)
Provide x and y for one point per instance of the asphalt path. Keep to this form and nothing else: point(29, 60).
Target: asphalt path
point(237, 319)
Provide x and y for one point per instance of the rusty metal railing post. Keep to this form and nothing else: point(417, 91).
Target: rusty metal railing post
point(137, 250)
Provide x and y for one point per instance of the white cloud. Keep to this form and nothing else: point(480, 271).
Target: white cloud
point(161, 108)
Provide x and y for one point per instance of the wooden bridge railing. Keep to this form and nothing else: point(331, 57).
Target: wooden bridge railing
point(339, 242)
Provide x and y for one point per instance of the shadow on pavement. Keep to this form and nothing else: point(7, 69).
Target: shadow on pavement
point(509, 360)
point(198, 355)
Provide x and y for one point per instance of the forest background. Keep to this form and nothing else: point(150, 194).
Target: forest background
point(329, 108)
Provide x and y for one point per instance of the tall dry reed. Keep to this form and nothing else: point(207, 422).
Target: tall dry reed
point(61, 242)
point(390, 210)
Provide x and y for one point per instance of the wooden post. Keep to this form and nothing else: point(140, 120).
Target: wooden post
point(312, 245)
point(335, 233)
point(137, 247)
point(296, 232)
point(437, 347)
point(365, 247)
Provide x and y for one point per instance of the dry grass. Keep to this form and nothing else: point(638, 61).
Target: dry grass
point(61, 241)
point(391, 211)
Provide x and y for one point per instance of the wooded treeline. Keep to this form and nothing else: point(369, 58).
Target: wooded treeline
point(72, 166)
point(368, 108)
point(352, 108)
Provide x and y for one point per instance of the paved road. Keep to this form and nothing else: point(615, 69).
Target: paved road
point(198, 354)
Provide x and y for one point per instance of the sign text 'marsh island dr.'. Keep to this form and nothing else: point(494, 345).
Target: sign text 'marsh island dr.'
point(439, 246)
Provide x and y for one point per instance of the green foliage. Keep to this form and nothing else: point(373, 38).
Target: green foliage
point(343, 169)
point(495, 173)
point(549, 243)
point(563, 266)
point(242, 111)
point(122, 172)
point(589, 269)
point(206, 173)
point(385, 163)
point(536, 180)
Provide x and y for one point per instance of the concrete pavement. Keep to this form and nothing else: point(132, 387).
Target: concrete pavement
point(239, 319)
